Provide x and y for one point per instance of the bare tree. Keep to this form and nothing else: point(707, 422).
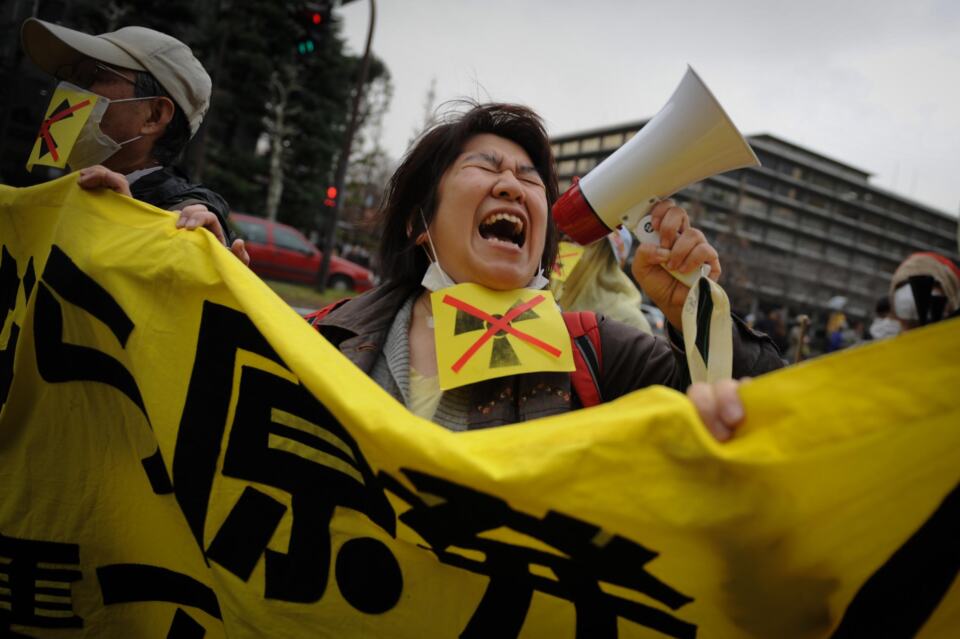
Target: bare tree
point(280, 108)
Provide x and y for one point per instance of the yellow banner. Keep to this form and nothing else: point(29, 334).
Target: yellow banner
point(482, 334)
point(67, 113)
point(182, 455)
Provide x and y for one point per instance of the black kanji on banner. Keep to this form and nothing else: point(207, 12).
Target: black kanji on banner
point(898, 599)
point(132, 583)
point(35, 582)
point(59, 361)
point(281, 437)
point(9, 285)
point(584, 557)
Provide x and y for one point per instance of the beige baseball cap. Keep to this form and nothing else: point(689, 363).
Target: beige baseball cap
point(170, 61)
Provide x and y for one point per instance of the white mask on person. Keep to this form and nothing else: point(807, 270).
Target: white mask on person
point(93, 146)
point(436, 278)
point(904, 305)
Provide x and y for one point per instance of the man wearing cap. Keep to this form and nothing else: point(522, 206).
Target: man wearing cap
point(156, 94)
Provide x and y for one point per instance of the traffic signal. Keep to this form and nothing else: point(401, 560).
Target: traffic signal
point(313, 18)
point(331, 199)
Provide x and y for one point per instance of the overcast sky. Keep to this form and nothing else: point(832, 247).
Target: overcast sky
point(871, 83)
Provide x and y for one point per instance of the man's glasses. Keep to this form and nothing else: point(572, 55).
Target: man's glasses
point(88, 72)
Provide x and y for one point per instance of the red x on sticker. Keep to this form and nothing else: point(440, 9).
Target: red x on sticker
point(497, 325)
point(56, 117)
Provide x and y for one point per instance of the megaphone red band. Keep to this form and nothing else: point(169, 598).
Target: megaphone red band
point(575, 217)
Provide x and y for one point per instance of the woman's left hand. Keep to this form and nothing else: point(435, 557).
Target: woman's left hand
point(683, 249)
point(719, 406)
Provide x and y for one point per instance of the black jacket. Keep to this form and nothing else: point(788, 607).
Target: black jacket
point(170, 189)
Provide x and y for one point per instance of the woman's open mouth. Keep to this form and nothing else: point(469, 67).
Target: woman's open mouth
point(504, 228)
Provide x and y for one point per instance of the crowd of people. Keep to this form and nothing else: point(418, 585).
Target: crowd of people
point(470, 203)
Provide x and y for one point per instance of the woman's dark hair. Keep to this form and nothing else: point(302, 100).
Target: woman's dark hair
point(168, 146)
point(415, 183)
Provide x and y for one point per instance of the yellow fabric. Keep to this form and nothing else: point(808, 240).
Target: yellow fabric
point(66, 114)
point(599, 284)
point(346, 516)
point(470, 349)
point(568, 255)
point(425, 394)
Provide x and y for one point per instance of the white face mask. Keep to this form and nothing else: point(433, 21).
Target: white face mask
point(904, 306)
point(436, 278)
point(93, 146)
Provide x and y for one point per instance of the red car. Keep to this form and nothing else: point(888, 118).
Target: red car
point(281, 252)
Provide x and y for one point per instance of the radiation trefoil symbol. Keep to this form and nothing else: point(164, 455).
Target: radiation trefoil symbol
point(496, 327)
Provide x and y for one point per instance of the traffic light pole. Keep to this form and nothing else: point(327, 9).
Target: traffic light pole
point(333, 212)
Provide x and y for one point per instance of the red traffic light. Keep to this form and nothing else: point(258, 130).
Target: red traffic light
point(316, 18)
point(332, 192)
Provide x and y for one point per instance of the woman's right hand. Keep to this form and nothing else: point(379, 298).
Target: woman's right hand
point(719, 406)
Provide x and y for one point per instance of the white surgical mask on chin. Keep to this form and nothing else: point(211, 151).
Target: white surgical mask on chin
point(539, 281)
point(436, 278)
point(93, 146)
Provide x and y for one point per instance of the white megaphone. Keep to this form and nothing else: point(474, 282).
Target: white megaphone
point(690, 139)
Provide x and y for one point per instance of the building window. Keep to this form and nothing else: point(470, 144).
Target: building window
point(721, 195)
point(588, 145)
point(837, 255)
point(566, 167)
point(766, 160)
point(809, 246)
point(780, 238)
point(585, 164)
point(813, 223)
point(784, 215)
point(786, 190)
point(758, 180)
point(753, 205)
point(612, 141)
point(817, 200)
point(716, 218)
point(864, 262)
point(570, 148)
point(841, 232)
point(750, 229)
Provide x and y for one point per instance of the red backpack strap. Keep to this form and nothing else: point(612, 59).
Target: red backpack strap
point(314, 318)
point(587, 356)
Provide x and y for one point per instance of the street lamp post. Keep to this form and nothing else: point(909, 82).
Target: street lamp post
point(342, 162)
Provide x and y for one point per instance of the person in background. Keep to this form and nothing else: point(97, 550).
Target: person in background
point(599, 284)
point(773, 325)
point(925, 289)
point(884, 325)
point(158, 95)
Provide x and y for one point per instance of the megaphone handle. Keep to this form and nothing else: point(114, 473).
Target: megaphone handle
point(646, 234)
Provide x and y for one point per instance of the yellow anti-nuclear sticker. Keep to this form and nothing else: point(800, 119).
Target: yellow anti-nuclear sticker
point(65, 117)
point(482, 334)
